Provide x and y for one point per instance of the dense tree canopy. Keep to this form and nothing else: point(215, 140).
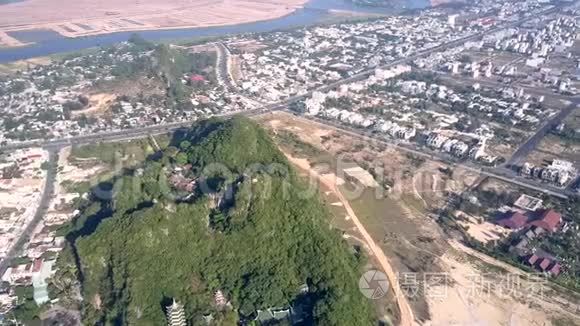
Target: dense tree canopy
point(252, 234)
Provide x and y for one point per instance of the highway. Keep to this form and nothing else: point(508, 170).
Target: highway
point(43, 206)
point(499, 172)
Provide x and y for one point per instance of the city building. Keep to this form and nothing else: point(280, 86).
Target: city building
point(452, 20)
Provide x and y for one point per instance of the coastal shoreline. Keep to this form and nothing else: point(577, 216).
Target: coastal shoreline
point(205, 15)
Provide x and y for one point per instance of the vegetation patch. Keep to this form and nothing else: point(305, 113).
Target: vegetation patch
point(244, 229)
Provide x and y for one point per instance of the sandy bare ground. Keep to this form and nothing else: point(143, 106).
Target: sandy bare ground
point(99, 104)
point(75, 18)
point(235, 65)
point(406, 313)
point(483, 291)
point(468, 301)
point(9, 41)
point(435, 3)
point(480, 229)
point(425, 182)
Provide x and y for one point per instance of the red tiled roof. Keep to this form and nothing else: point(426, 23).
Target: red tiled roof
point(37, 265)
point(549, 221)
point(196, 78)
point(516, 221)
point(545, 263)
point(533, 259)
point(555, 270)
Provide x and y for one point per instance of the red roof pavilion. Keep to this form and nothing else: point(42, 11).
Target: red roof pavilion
point(516, 221)
point(549, 221)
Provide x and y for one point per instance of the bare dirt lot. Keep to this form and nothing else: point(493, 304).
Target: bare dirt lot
point(74, 18)
point(99, 105)
point(356, 234)
point(479, 290)
point(553, 147)
point(481, 230)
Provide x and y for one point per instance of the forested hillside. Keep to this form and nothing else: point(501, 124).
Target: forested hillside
point(219, 210)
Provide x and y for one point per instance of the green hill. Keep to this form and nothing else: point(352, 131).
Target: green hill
point(247, 229)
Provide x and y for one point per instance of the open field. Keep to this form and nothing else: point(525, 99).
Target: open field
point(84, 167)
point(421, 184)
point(328, 182)
point(336, 16)
point(553, 147)
point(81, 18)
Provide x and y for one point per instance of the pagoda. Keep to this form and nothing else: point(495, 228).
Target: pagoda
point(176, 315)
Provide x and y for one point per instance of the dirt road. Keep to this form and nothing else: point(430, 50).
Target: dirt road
point(407, 318)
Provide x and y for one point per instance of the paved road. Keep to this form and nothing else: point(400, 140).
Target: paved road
point(508, 176)
point(516, 159)
point(222, 72)
point(533, 142)
point(127, 134)
point(533, 90)
point(43, 206)
point(495, 172)
point(118, 135)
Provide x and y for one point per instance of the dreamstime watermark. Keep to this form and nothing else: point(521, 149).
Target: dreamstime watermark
point(370, 175)
point(374, 284)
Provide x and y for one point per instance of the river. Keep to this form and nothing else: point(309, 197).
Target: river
point(48, 42)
